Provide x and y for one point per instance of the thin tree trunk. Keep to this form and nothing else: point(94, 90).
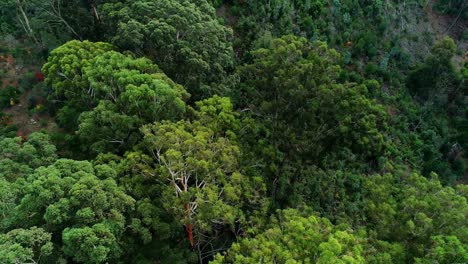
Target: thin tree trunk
point(25, 24)
point(464, 5)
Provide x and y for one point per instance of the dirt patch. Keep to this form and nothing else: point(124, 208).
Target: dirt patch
point(18, 113)
point(224, 12)
point(449, 25)
point(7, 65)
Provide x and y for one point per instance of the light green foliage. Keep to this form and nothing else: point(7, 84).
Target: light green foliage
point(411, 209)
point(25, 245)
point(218, 114)
point(136, 86)
point(17, 159)
point(444, 49)
point(119, 92)
point(182, 36)
point(445, 249)
point(68, 198)
point(132, 92)
point(64, 70)
point(293, 238)
point(96, 244)
point(209, 164)
point(8, 199)
point(204, 185)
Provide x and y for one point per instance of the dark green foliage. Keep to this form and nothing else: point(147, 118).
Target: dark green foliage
point(292, 89)
point(453, 7)
point(441, 91)
point(7, 15)
point(7, 95)
point(50, 23)
point(337, 22)
point(435, 80)
point(182, 36)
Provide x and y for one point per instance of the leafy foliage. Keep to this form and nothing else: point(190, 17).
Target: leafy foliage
point(292, 238)
point(182, 36)
point(18, 159)
point(82, 203)
point(118, 92)
point(64, 71)
point(25, 245)
point(292, 88)
point(232, 132)
point(403, 208)
point(204, 187)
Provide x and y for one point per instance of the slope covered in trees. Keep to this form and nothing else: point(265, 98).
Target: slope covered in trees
point(195, 131)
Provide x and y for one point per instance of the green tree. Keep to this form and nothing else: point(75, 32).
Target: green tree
point(96, 244)
point(445, 249)
point(115, 93)
point(435, 79)
point(184, 37)
point(18, 159)
point(9, 193)
point(105, 129)
point(293, 238)
point(79, 202)
point(137, 86)
point(203, 185)
point(25, 245)
point(132, 92)
point(291, 88)
point(411, 209)
point(154, 233)
point(64, 71)
point(50, 23)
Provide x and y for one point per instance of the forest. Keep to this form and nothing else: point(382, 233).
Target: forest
point(233, 131)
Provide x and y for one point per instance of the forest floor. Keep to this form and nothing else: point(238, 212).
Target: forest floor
point(449, 25)
point(19, 113)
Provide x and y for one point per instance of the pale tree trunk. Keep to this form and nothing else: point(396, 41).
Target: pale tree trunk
point(24, 20)
point(57, 13)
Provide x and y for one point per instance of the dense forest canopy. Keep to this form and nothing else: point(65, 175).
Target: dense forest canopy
point(196, 131)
